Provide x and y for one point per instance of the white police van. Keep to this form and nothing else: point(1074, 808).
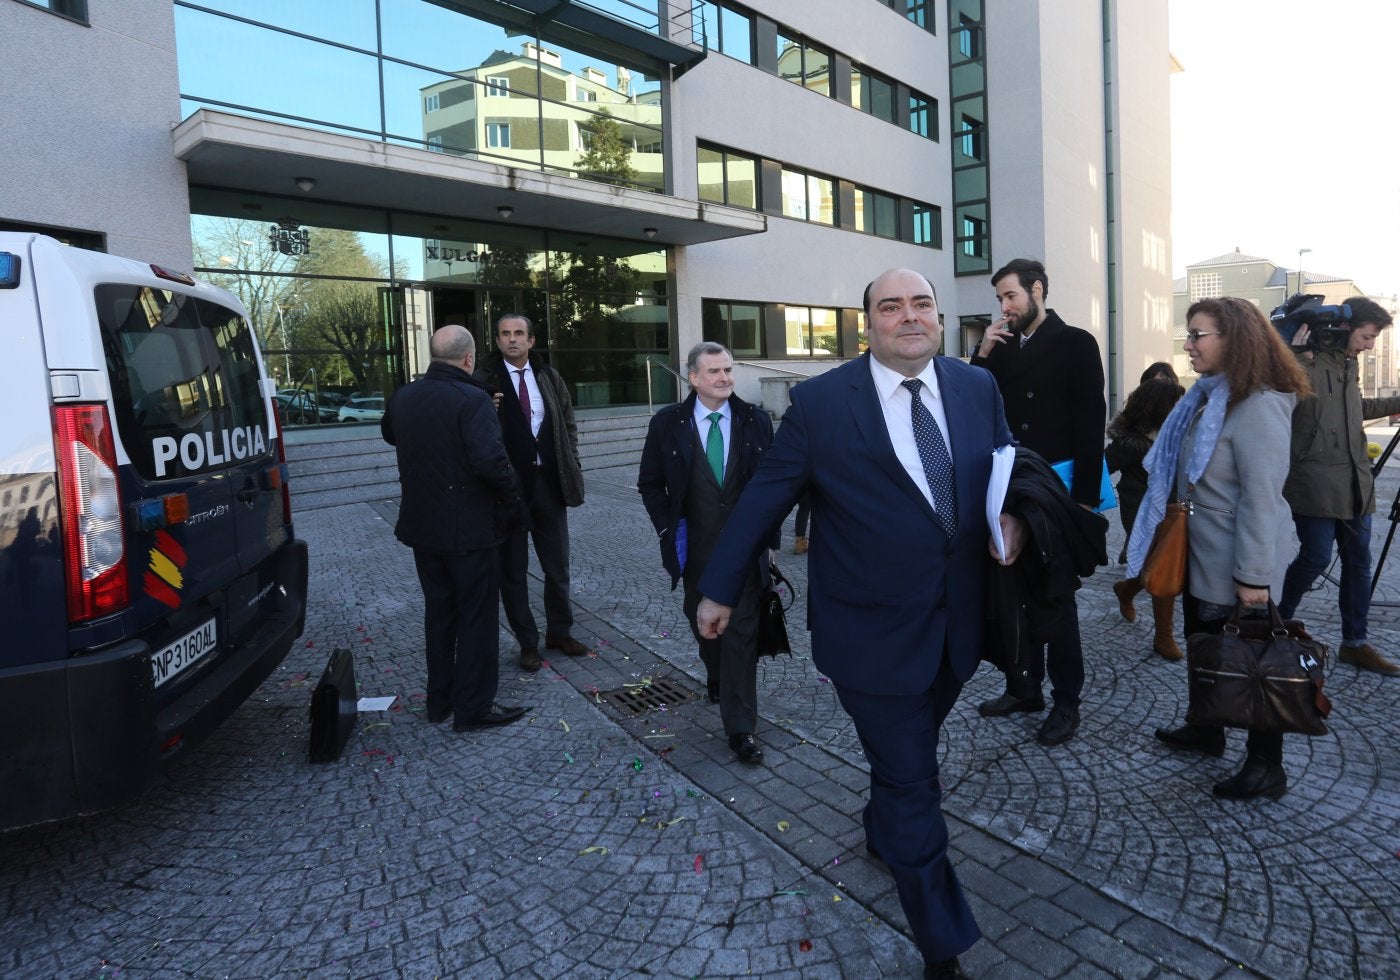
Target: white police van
point(150, 579)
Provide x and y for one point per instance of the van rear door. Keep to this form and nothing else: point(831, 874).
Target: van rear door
point(192, 418)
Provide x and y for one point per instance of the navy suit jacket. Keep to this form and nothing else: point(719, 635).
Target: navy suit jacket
point(889, 594)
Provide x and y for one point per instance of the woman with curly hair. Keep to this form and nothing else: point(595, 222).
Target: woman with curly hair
point(1224, 448)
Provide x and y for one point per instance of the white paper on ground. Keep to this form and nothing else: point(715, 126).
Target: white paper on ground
point(376, 704)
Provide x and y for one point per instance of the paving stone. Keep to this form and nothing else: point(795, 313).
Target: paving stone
point(421, 853)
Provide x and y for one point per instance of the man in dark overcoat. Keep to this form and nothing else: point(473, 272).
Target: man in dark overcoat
point(460, 498)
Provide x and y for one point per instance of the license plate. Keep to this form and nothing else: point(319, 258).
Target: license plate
point(184, 653)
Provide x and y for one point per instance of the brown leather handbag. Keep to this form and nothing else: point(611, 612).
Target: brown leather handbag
point(1163, 572)
point(1261, 673)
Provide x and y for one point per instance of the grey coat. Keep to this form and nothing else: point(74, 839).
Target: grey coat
point(1240, 528)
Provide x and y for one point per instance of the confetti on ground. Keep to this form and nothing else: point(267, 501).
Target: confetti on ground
point(660, 735)
point(595, 849)
point(805, 945)
point(637, 764)
point(784, 826)
point(565, 724)
point(791, 891)
point(696, 792)
point(699, 863)
point(836, 898)
point(569, 758)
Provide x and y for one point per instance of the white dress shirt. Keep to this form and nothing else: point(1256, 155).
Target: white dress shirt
point(894, 399)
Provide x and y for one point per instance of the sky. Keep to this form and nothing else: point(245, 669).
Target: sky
point(1285, 132)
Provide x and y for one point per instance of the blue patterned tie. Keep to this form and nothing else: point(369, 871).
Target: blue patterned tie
point(933, 453)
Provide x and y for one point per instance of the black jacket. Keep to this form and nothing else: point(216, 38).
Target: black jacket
point(1064, 542)
point(664, 475)
point(460, 492)
point(1053, 390)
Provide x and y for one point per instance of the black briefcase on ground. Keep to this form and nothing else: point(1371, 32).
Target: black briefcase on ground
point(333, 707)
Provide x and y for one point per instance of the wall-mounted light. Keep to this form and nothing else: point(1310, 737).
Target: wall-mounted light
point(505, 211)
point(649, 232)
point(305, 183)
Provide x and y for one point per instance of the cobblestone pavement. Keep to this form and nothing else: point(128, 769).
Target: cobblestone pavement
point(592, 842)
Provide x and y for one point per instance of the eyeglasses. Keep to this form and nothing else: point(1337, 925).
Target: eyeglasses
point(1194, 336)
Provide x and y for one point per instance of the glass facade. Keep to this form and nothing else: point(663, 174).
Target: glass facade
point(422, 74)
point(968, 76)
point(343, 299)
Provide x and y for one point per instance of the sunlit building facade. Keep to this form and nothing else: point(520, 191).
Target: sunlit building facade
point(635, 175)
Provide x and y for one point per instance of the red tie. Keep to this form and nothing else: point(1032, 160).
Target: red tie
point(524, 397)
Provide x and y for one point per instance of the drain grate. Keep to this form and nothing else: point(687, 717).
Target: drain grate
point(660, 693)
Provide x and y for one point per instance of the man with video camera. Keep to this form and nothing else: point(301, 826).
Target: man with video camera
point(1330, 486)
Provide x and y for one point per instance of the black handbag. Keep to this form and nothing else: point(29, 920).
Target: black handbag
point(333, 707)
point(1260, 673)
point(772, 617)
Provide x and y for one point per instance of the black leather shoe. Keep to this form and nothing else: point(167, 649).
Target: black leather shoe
point(712, 689)
point(1208, 740)
point(435, 715)
point(530, 659)
point(1009, 704)
point(1059, 726)
point(1258, 777)
point(746, 748)
point(497, 714)
point(568, 645)
point(943, 970)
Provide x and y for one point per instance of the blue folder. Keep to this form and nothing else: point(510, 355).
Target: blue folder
point(1107, 499)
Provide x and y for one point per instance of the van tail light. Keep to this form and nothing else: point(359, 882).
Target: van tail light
point(282, 468)
point(94, 541)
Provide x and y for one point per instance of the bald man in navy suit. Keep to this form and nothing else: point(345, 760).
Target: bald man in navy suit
point(897, 571)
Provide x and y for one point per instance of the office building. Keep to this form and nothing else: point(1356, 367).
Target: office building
point(635, 175)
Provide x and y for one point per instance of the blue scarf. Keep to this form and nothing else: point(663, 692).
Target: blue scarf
point(1162, 459)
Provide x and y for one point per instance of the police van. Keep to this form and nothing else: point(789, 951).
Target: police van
point(150, 579)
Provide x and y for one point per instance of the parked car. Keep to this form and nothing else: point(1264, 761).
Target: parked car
point(300, 406)
point(362, 410)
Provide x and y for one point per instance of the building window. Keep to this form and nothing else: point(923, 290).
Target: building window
point(498, 85)
point(75, 9)
point(498, 134)
point(804, 63)
point(970, 137)
point(928, 226)
point(737, 326)
point(726, 177)
point(972, 241)
point(923, 115)
point(1206, 285)
point(587, 95)
point(876, 213)
point(722, 29)
point(916, 10)
point(431, 103)
point(435, 142)
point(968, 38)
point(811, 331)
point(808, 197)
point(872, 93)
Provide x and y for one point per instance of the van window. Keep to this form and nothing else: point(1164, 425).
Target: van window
point(184, 377)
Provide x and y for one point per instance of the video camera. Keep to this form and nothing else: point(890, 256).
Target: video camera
point(1329, 327)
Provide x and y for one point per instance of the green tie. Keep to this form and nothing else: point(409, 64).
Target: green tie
point(714, 447)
